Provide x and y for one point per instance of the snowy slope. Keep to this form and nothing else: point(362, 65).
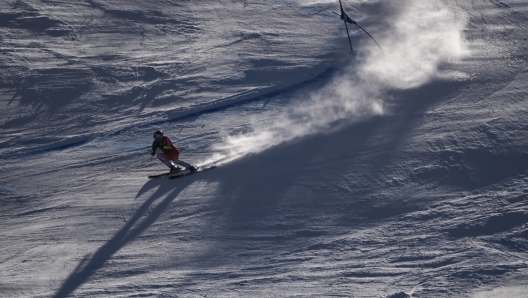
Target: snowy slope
point(373, 174)
point(87, 68)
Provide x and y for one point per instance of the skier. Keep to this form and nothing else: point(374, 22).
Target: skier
point(170, 154)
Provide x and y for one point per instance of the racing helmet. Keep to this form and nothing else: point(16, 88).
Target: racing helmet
point(158, 135)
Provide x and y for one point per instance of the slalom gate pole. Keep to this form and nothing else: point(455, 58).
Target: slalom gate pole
point(349, 41)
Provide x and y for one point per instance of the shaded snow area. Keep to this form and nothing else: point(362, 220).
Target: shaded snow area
point(396, 173)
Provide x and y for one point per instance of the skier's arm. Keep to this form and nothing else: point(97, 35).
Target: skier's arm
point(154, 147)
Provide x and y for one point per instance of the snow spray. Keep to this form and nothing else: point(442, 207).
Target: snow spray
point(417, 37)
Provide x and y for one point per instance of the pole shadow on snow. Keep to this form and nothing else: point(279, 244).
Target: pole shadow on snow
point(134, 227)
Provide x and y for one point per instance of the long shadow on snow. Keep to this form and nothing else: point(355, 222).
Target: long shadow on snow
point(256, 183)
point(134, 227)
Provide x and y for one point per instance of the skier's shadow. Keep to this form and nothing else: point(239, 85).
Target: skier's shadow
point(134, 227)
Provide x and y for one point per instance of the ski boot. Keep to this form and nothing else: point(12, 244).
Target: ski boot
point(174, 168)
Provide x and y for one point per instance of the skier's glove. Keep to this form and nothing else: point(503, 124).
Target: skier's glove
point(153, 152)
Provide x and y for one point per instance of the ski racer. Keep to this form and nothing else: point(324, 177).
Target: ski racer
point(170, 155)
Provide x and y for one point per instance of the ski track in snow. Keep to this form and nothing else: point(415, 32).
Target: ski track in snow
point(415, 185)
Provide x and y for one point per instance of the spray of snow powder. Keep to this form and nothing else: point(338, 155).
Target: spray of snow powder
point(417, 37)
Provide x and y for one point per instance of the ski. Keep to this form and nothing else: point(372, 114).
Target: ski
point(200, 169)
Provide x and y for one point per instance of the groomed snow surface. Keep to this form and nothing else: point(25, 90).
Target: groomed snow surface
point(394, 173)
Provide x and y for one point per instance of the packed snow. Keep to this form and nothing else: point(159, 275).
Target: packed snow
point(399, 172)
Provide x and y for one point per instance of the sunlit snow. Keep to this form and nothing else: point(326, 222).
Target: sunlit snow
point(399, 172)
